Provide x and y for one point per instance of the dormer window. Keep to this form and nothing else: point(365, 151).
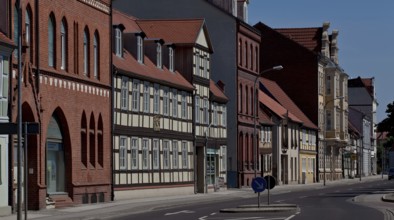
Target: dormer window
point(140, 49)
point(171, 59)
point(159, 55)
point(118, 42)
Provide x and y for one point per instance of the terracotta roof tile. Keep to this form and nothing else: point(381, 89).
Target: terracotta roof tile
point(278, 109)
point(264, 118)
point(6, 40)
point(307, 37)
point(217, 92)
point(281, 97)
point(175, 31)
point(127, 21)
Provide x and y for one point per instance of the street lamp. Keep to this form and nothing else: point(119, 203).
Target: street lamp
point(275, 68)
point(325, 136)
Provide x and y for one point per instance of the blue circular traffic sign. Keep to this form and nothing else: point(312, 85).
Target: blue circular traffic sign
point(259, 184)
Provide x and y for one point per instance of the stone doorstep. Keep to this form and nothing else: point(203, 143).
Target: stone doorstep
point(59, 201)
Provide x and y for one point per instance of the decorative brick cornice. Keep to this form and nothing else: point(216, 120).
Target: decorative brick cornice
point(98, 5)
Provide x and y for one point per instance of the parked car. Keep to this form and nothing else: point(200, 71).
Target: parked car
point(391, 173)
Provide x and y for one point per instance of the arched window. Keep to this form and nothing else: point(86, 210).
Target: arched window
point(240, 52)
point(100, 142)
point(246, 151)
point(92, 141)
point(86, 52)
point(251, 101)
point(257, 59)
point(246, 55)
point(51, 41)
point(27, 26)
point(16, 29)
point(63, 44)
point(84, 140)
point(96, 55)
point(251, 57)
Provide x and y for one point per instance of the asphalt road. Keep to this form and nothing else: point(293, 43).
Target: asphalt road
point(315, 203)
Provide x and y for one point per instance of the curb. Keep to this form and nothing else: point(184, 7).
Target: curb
point(386, 199)
point(262, 208)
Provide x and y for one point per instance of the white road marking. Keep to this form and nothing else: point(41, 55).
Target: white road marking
point(180, 212)
point(301, 197)
point(290, 217)
point(213, 213)
point(279, 201)
point(203, 218)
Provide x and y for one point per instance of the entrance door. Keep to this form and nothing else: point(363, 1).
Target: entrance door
point(55, 167)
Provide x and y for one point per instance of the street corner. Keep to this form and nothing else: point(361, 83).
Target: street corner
point(388, 197)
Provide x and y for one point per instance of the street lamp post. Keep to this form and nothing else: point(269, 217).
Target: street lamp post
point(325, 137)
point(275, 68)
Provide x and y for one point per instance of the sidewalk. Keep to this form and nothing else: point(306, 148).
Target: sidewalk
point(111, 209)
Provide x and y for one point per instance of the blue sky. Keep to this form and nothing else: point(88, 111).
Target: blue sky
point(366, 34)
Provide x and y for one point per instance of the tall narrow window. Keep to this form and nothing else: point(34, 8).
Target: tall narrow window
point(240, 104)
point(175, 103)
point(123, 153)
point(51, 41)
point(171, 59)
point(84, 141)
point(146, 98)
point(184, 106)
point(197, 110)
point(224, 116)
point(205, 111)
point(100, 142)
point(140, 49)
point(197, 64)
point(156, 153)
point(156, 99)
point(27, 27)
point(92, 141)
point(96, 56)
point(118, 42)
point(86, 52)
point(215, 114)
point(124, 93)
point(166, 101)
point(159, 55)
point(134, 153)
point(16, 29)
point(145, 154)
point(166, 154)
point(328, 120)
point(206, 67)
point(136, 96)
point(184, 155)
point(174, 154)
point(63, 44)
point(328, 85)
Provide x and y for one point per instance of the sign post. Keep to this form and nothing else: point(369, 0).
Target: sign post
point(258, 185)
point(270, 185)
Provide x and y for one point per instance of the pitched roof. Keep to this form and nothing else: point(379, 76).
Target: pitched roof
point(148, 70)
point(277, 108)
point(218, 94)
point(6, 40)
point(177, 31)
point(280, 96)
point(353, 129)
point(367, 83)
point(307, 37)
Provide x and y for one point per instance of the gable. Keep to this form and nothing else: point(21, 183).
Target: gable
point(202, 39)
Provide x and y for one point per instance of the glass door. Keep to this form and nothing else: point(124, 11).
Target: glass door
point(55, 168)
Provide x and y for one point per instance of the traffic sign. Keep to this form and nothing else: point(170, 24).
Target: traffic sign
point(271, 181)
point(259, 184)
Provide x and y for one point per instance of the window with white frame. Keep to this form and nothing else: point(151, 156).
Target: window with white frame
point(118, 42)
point(140, 49)
point(303, 164)
point(134, 153)
point(3, 87)
point(166, 154)
point(215, 113)
point(205, 116)
point(136, 96)
point(197, 64)
point(197, 108)
point(184, 106)
point(263, 134)
point(224, 116)
point(184, 155)
point(145, 154)
point(156, 99)
point(27, 27)
point(63, 46)
point(124, 93)
point(174, 154)
point(146, 98)
point(166, 101)
point(205, 67)
point(303, 136)
point(123, 153)
point(174, 103)
point(156, 153)
point(159, 55)
point(171, 59)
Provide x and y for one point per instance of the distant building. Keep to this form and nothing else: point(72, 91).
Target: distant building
point(314, 80)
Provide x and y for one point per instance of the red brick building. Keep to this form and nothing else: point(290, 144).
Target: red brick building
point(66, 89)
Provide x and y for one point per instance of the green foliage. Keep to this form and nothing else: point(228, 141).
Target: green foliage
point(387, 125)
